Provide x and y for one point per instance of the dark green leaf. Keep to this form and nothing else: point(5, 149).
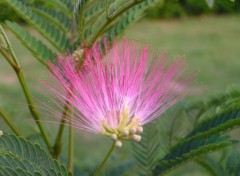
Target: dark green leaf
point(37, 48)
point(79, 17)
point(24, 158)
point(105, 15)
point(51, 15)
point(188, 150)
point(52, 34)
point(218, 123)
point(147, 150)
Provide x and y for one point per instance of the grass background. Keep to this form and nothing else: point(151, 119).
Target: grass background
point(210, 45)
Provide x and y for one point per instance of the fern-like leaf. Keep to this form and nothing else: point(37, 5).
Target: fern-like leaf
point(63, 6)
point(79, 17)
point(120, 25)
point(69, 4)
point(232, 96)
point(52, 34)
point(212, 166)
point(129, 17)
point(232, 164)
point(107, 14)
point(227, 164)
point(57, 18)
point(16, 172)
point(204, 138)
point(146, 152)
point(189, 150)
point(94, 7)
point(37, 48)
point(220, 122)
point(24, 158)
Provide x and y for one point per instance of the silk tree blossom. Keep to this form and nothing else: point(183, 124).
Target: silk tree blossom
point(117, 92)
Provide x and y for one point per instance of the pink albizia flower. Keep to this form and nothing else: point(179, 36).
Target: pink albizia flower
point(117, 92)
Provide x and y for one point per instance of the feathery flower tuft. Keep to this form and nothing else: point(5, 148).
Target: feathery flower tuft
point(116, 92)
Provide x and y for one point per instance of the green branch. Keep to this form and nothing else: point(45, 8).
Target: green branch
point(57, 148)
point(13, 61)
point(70, 148)
point(10, 123)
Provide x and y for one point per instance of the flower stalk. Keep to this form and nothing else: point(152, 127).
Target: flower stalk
point(70, 148)
point(99, 169)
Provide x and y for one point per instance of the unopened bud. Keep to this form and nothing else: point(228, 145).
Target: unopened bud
point(1, 132)
point(139, 130)
point(132, 130)
point(78, 54)
point(114, 137)
point(136, 138)
point(118, 144)
point(125, 133)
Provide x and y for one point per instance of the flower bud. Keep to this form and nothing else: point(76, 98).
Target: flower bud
point(132, 130)
point(118, 144)
point(139, 130)
point(114, 137)
point(136, 138)
point(125, 133)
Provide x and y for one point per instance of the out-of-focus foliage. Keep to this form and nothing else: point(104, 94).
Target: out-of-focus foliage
point(163, 9)
point(180, 8)
point(8, 13)
point(227, 163)
point(207, 121)
point(146, 152)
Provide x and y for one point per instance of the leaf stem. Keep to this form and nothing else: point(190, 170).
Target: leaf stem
point(10, 123)
point(9, 47)
point(97, 172)
point(106, 10)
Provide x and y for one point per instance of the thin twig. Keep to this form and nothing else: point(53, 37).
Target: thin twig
point(10, 123)
point(70, 148)
point(58, 142)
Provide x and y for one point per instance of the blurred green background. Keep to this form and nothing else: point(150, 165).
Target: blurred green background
point(209, 41)
point(166, 9)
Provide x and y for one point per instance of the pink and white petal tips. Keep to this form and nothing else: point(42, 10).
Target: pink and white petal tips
point(119, 90)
